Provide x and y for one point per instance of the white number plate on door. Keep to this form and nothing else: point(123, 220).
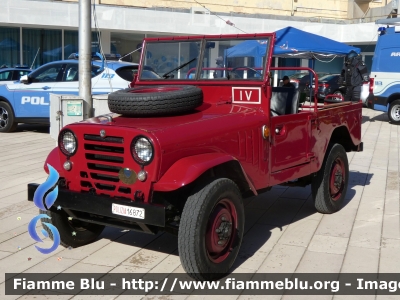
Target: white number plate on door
point(128, 211)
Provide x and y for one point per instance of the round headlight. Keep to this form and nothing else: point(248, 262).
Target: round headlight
point(142, 150)
point(67, 142)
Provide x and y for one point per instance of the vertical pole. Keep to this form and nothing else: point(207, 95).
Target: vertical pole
point(62, 44)
point(21, 47)
point(85, 57)
point(311, 65)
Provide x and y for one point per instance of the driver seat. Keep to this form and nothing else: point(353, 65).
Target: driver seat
point(284, 101)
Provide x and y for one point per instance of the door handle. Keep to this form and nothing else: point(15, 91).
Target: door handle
point(46, 87)
point(280, 130)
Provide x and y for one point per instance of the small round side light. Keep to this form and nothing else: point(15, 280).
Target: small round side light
point(142, 175)
point(67, 165)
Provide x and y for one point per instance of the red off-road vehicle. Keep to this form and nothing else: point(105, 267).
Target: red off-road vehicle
point(179, 153)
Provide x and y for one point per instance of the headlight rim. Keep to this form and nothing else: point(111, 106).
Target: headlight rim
point(61, 144)
point(134, 154)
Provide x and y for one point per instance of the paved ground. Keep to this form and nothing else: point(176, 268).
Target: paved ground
point(283, 231)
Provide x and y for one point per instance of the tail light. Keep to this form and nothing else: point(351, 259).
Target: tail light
point(295, 82)
point(324, 85)
point(371, 85)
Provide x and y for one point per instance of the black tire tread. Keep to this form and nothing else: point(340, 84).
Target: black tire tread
point(124, 102)
point(66, 238)
point(390, 112)
point(194, 208)
point(12, 125)
point(318, 188)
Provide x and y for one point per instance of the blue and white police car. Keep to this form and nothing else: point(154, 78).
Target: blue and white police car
point(28, 100)
point(9, 75)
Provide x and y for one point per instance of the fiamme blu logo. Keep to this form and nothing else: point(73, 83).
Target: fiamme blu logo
point(45, 196)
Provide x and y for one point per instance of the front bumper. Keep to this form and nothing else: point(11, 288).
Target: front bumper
point(98, 209)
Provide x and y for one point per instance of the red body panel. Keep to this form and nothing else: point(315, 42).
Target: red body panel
point(228, 126)
point(188, 169)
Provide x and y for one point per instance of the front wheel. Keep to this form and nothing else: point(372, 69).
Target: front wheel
point(74, 233)
point(211, 230)
point(329, 186)
point(394, 112)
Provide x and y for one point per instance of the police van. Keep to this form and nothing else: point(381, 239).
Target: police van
point(385, 72)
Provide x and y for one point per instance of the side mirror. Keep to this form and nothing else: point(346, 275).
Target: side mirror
point(24, 79)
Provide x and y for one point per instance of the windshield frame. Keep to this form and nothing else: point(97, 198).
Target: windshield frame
point(143, 64)
point(203, 40)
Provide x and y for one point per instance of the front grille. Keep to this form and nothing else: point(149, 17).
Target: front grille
point(105, 158)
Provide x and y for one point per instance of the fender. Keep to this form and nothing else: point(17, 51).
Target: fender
point(188, 169)
point(53, 159)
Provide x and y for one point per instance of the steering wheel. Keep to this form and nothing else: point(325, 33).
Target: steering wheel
point(249, 68)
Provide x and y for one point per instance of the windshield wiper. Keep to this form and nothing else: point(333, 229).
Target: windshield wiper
point(178, 67)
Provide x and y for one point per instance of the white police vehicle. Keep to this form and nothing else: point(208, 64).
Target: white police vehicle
point(9, 75)
point(28, 100)
point(385, 72)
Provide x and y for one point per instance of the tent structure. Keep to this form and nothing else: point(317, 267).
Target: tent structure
point(292, 43)
point(250, 48)
point(57, 52)
point(295, 43)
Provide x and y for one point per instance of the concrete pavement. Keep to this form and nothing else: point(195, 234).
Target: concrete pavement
point(283, 231)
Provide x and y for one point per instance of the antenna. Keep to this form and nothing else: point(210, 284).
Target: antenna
point(35, 57)
point(226, 21)
point(130, 53)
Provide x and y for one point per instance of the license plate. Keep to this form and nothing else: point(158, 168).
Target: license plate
point(128, 211)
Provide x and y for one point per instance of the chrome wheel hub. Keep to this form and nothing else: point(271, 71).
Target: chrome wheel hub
point(395, 112)
point(3, 117)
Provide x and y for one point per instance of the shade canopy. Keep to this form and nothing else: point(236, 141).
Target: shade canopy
point(292, 43)
point(295, 43)
point(250, 48)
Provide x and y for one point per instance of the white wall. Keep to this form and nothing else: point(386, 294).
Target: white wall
point(32, 13)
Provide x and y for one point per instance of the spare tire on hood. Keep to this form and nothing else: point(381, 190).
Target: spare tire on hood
point(155, 100)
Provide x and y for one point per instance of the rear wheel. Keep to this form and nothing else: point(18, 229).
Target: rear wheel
point(329, 186)
point(394, 112)
point(7, 119)
point(74, 233)
point(211, 230)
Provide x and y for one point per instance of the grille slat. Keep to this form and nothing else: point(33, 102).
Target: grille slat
point(105, 187)
point(104, 177)
point(105, 158)
point(97, 162)
point(104, 168)
point(109, 139)
point(103, 148)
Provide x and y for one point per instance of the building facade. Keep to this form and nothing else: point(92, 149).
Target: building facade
point(34, 32)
